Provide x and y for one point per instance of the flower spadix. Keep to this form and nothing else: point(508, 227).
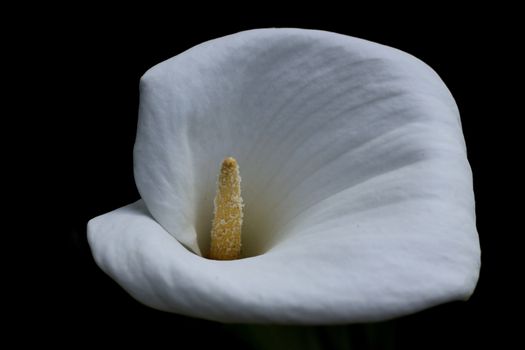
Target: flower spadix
point(357, 192)
point(227, 218)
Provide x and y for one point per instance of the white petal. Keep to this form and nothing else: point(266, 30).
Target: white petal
point(309, 283)
point(356, 185)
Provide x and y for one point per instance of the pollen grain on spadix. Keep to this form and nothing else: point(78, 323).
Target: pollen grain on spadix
point(227, 220)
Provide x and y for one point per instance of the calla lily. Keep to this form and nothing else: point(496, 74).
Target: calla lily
point(358, 201)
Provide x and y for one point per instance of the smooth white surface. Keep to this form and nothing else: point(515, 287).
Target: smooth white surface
point(357, 190)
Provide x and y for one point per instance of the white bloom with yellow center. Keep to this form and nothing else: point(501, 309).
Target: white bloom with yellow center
point(357, 201)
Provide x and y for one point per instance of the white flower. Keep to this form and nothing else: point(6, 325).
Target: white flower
point(358, 201)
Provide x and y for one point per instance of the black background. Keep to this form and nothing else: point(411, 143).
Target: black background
point(88, 70)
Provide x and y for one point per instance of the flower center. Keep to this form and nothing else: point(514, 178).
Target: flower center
point(227, 220)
